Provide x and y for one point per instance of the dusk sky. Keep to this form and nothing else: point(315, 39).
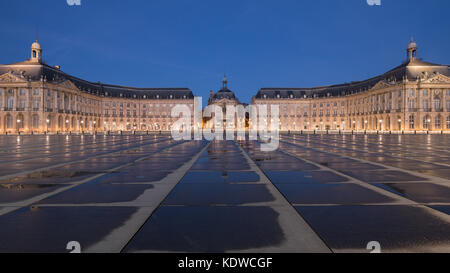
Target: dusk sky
point(192, 43)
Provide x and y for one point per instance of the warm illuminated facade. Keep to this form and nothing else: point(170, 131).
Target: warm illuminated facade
point(223, 98)
point(413, 96)
point(37, 98)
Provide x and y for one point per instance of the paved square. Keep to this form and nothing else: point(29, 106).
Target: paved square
point(149, 193)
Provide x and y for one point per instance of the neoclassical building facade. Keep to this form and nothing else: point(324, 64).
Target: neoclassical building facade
point(38, 98)
point(223, 98)
point(413, 96)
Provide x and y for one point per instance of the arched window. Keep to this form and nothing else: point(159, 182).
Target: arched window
point(426, 121)
point(411, 122)
point(20, 121)
point(35, 121)
point(437, 122)
point(60, 122)
point(9, 122)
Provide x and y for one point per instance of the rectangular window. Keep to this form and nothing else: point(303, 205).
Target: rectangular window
point(437, 105)
point(425, 93)
point(22, 92)
point(36, 92)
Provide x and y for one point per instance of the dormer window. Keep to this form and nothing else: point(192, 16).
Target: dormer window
point(278, 96)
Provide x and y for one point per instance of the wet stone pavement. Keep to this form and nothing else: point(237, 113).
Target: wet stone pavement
point(330, 193)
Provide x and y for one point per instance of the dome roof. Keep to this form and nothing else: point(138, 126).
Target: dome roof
point(412, 45)
point(36, 45)
point(224, 93)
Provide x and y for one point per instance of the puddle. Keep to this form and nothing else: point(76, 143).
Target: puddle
point(218, 194)
point(409, 228)
point(220, 177)
point(25, 230)
point(10, 193)
point(94, 192)
point(208, 229)
point(330, 194)
point(50, 176)
point(419, 192)
point(296, 177)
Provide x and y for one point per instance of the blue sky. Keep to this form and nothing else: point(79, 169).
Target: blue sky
point(257, 43)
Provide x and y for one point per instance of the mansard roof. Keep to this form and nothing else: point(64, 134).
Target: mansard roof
point(411, 70)
point(33, 71)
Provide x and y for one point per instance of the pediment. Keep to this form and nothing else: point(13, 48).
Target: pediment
point(9, 77)
point(437, 79)
point(380, 85)
point(68, 84)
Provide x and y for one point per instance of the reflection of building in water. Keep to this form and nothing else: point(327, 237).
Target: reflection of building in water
point(35, 97)
point(223, 98)
point(412, 96)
